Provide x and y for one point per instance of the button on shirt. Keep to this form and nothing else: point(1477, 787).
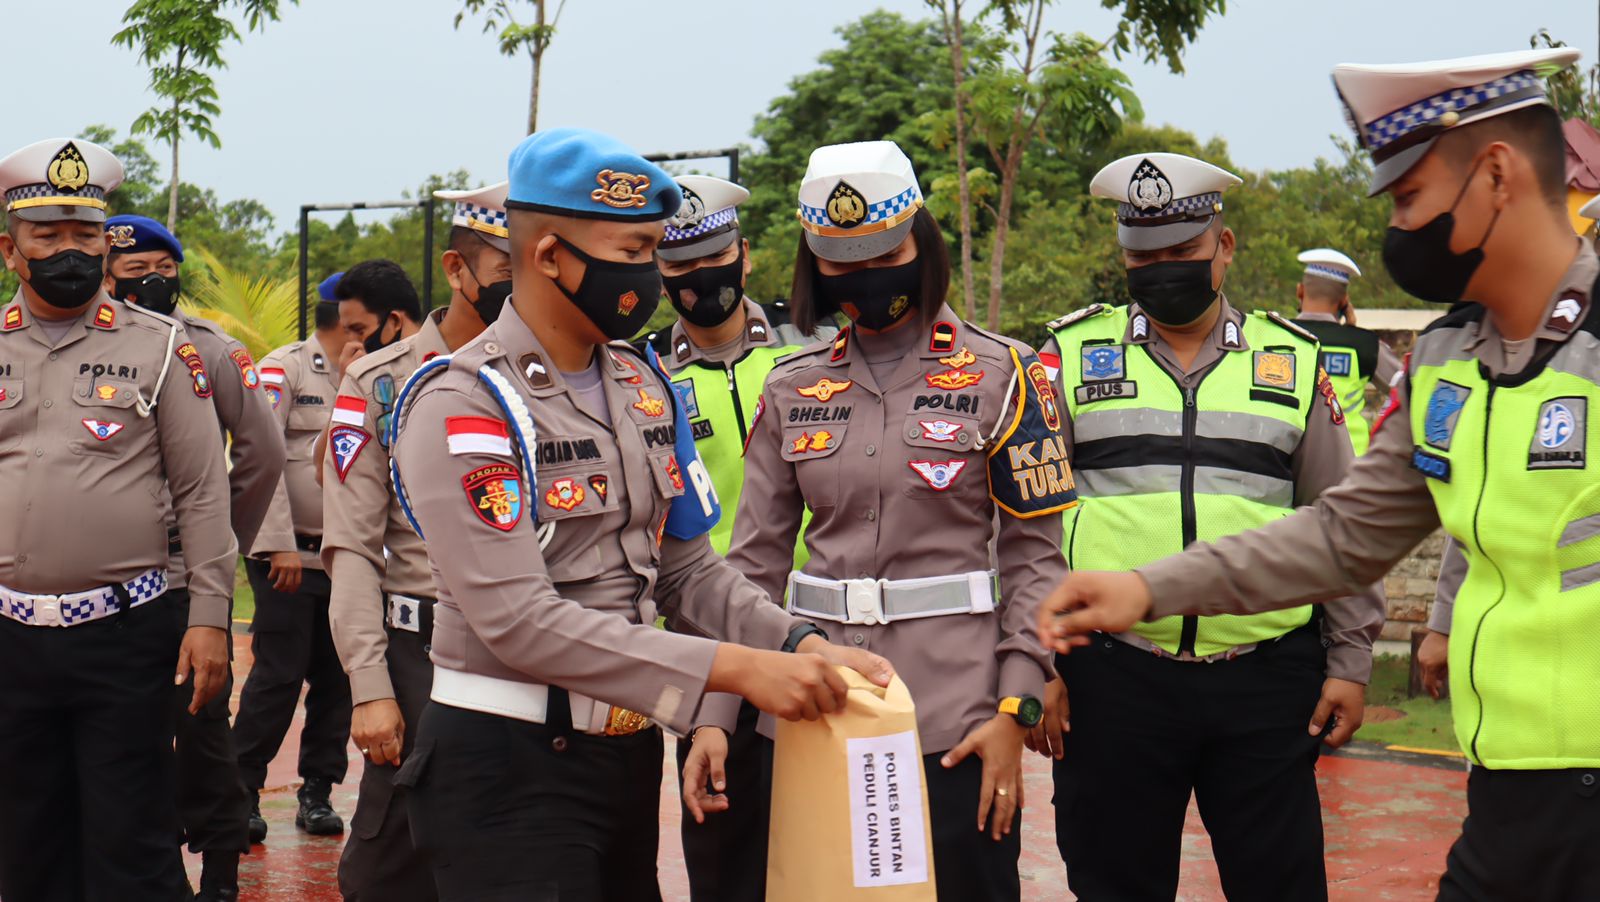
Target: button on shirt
point(82, 472)
point(558, 582)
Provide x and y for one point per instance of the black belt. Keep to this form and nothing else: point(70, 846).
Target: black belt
point(312, 544)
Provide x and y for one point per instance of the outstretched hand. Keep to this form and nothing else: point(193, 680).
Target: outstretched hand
point(1090, 601)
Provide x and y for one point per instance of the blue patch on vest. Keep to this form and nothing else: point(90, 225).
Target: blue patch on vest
point(697, 510)
point(686, 398)
point(1431, 465)
point(1444, 410)
point(1337, 363)
point(1103, 362)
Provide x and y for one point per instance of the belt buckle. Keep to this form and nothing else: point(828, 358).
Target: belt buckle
point(405, 614)
point(47, 610)
point(863, 601)
point(622, 722)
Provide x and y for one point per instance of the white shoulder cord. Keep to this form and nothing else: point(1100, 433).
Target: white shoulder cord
point(1005, 411)
point(140, 405)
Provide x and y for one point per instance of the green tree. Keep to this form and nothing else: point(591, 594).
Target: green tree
point(1574, 92)
point(514, 37)
point(258, 310)
point(181, 41)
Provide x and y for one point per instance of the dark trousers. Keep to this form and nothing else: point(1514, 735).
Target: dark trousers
point(213, 805)
point(968, 865)
point(727, 855)
point(1529, 835)
point(380, 863)
point(1146, 732)
point(512, 811)
point(292, 646)
point(86, 766)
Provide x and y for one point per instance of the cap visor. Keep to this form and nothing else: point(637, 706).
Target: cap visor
point(854, 248)
point(703, 247)
point(1389, 171)
point(60, 213)
point(495, 241)
point(1153, 238)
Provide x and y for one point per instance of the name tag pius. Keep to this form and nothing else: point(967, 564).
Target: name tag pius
point(1106, 391)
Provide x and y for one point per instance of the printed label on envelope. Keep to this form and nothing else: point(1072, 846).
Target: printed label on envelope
point(886, 821)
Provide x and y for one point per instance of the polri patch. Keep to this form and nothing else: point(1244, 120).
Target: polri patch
point(495, 493)
point(1274, 369)
point(346, 443)
point(1102, 363)
point(1443, 412)
point(1560, 438)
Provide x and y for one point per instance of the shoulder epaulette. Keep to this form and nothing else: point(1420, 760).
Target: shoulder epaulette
point(1075, 316)
point(1005, 341)
point(1283, 321)
point(1458, 315)
point(815, 347)
point(165, 321)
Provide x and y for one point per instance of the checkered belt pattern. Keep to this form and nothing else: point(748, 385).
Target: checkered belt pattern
point(79, 608)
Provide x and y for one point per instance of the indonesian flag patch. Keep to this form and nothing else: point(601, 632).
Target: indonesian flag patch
point(350, 410)
point(346, 443)
point(477, 435)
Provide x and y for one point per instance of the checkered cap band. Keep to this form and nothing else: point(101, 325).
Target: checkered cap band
point(1181, 208)
point(1390, 128)
point(43, 189)
point(1328, 272)
point(712, 223)
point(883, 209)
point(470, 216)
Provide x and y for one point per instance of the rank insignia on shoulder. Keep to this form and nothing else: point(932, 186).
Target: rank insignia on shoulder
point(650, 405)
point(1074, 317)
point(1231, 339)
point(106, 316)
point(940, 475)
point(564, 494)
point(102, 429)
point(952, 380)
point(247, 368)
point(841, 344)
point(13, 318)
point(943, 340)
point(495, 493)
point(1289, 324)
point(1275, 369)
point(1564, 318)
point(825, 388)
point(346, 443)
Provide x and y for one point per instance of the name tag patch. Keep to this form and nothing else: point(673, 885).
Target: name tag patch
point(1560, 437)
point(1106, 391)
point(1337, 363)
point(701, 429)
point(1431, 465)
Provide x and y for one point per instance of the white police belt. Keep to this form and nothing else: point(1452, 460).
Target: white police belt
point(874, 601)
point(530, 702)
point(77, 608)
point(405, 613)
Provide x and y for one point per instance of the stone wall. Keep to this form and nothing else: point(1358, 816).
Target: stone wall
point(1409, 587)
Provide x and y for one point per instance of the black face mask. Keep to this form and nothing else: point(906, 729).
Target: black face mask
point(882, 295)
point(1173, 292)
point(374, 341)
point(714, 292)
point(1420, 260)
point(619, 298)
point(491, 300)
point(152, 292)
point(66, 279)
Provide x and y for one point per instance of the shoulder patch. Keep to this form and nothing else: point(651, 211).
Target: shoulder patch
point(1029, 475)
point(1074, 317)
point(247, 368)
point(345, 443)
point(1276, 317)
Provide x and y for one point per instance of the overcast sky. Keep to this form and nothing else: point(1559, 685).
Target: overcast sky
point(361, 99)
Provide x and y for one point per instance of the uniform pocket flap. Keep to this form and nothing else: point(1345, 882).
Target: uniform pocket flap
point(118, 393)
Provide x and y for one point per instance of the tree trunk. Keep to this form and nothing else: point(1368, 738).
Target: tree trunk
point(958, 74)
point(537, 52)
point(1002, 225)
point(172, 190)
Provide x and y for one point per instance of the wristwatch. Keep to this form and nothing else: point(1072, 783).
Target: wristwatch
point(1025, 708)
point(800, 632)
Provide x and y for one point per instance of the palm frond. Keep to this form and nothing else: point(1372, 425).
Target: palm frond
point(260, 312)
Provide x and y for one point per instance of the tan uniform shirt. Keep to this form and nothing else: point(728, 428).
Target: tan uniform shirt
point(368, 547)
point(1351, 624)
point(82, 473)
point(558, 584)
point(1452, 573)
point(1388, 365)
point(1358, 529)
point(874, 515)
point(303, 402)
point(256, 454)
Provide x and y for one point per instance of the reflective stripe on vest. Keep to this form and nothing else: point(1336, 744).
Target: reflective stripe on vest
point(1507, 464)
point(1150, 467)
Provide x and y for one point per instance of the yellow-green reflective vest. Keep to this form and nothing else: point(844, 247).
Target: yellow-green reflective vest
point(1507, 463)
point(1160, 467)
point(1350, 357)
point(721, 404)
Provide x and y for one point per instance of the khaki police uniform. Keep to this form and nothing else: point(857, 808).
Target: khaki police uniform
point(381, 608)
point(548, 680)
point(94, 428)
point(290, 637)
point(901, 466)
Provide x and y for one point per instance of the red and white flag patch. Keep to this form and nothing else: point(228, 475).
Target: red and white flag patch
point(477, 435)
point(1052, 365)
point(349, 410)
point(272, 375)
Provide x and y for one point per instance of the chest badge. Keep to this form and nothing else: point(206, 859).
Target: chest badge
point(807, 442)
point(941, 474)
point(1275, 369)
point(825, 389)
point(1103, 362)
point(101, 429)
point(105, 392)
point(939, 430)
point(650, 405)
point(495, 493)
point(1443, 412)
point(564, 494)
point(957, 361)
point(1560, 438)
point(952, 380)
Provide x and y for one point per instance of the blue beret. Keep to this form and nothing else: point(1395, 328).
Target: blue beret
point(582, 173)
point(137, 234)
point(328, 285)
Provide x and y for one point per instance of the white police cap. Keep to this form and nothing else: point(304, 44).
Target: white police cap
point(59, 179)
point(1329, 264)
point(1163, 198)
point(1399, 110)
point(857, 200)
point(482, 210)
point(707, 222)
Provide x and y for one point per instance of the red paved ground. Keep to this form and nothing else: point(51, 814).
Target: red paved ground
point(1387, 824)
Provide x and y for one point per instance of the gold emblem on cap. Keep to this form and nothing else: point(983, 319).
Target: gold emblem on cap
point(846, 207)
point(120, 236)
point(620, 189)
point(1450, 118)
point(68, 171)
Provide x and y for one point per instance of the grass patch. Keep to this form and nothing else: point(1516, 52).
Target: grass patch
point(244, 598)
point(1426, 724)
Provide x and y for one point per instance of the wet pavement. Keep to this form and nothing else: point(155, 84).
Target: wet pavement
point(1388, 821)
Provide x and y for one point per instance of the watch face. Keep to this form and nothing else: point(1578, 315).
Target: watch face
point(1030, 711)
